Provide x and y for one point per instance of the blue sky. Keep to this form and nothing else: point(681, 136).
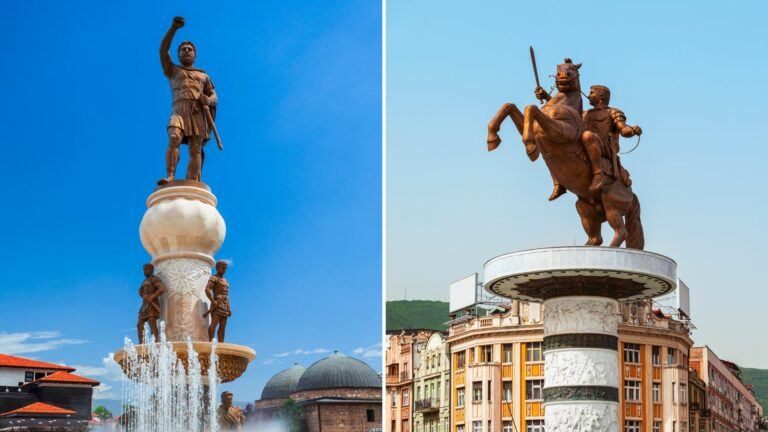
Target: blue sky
point(689, 73)
point(84, 110)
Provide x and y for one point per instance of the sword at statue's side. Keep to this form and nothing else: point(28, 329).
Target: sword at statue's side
point(535, 72)
point(209, 117)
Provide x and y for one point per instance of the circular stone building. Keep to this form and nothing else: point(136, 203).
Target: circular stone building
point(336, 394)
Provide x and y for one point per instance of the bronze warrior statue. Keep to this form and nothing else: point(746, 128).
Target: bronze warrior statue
point(150, 291)
point(193, 109)
point(580, 149)
point(230, 417)
point(217, 291)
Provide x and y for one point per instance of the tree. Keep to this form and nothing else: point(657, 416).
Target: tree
point(291, 413)
point(102, 413)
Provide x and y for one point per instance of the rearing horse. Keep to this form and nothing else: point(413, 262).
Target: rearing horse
point(554, 132)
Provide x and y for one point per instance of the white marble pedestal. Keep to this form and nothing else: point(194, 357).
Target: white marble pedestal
point(182, 230)
point(581, 288)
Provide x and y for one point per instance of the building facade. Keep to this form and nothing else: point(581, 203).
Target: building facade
point(36, 395)
point(731, 406)
point(403, 351)
point(335, 394)
point(497, 371)
point(431, 388)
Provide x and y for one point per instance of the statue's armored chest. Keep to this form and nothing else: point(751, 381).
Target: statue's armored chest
point(183, 79)
point(598, 121)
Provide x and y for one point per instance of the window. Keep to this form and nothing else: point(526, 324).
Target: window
point(673, 392)
point(534, 426)
point(39, 375)
point(533, 352)
point(477, 426)
point(471, 356)
point(404, 426)
point(671, 356)
point(506, 426)
point(632, 391)
point(507, 391)
point(370, 415)
point(683, 395)
point(631, 353)
point(406, 400)
point(656, 355)
point(418, 393)
point(490, 391)
point(29, 376)
point(460, 360)
point(488, 353)
point(394, 399)
point(477, 391)
point(459, 428)
point(656, 392)
point(507, 358)
point(631, 426)
point(533, 389)
point(656, 426)
point(683, 426)
point(460, 397)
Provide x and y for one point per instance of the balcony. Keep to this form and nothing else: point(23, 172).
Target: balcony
point(427, 405)
point(392, 379)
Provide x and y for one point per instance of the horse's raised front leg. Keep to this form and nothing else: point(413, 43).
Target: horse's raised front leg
point(591, 220)
point(508, 109)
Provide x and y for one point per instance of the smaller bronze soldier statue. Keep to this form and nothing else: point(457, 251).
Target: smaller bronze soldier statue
point(603, 125)
point(150, 291)
point(217, 291)
point(231, 418)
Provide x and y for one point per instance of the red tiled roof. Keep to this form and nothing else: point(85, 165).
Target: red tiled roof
point(38, 408)
point(64, 377)
point(20, 362)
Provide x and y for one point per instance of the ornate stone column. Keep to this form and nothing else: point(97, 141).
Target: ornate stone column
point(581, 288)
point(182, 230)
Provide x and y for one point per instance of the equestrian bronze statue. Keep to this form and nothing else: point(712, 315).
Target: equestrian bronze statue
point(581, 151)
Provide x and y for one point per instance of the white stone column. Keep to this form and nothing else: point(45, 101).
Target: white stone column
point(182, 230)
point(581, 377)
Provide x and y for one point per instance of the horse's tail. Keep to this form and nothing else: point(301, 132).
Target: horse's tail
point(635, 236)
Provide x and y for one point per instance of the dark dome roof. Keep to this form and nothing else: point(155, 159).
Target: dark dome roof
point(338, 371)
point(283, 384)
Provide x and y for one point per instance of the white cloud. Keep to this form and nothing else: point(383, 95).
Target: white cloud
point(371, 351)
point(302, 351)
point(32, 342)
point(109, 370)
point(102, 391)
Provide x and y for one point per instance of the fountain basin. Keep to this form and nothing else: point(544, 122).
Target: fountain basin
point(232, 360)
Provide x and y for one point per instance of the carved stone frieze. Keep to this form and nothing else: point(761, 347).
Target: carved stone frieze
point(580, 315)
point(582, 417)
point(588, 367)
point(184, 302)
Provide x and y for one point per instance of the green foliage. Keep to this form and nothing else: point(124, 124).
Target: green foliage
point(291, 413)
point(416, 314)
point(759, 380)
point(102, 413)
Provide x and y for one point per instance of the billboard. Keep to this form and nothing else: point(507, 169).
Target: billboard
point(678, 300)
point(463, 293)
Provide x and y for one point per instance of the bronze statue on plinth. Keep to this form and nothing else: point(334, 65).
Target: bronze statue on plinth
point(231, 417)
point(150, 291)
point(580, 149)
point(193, 109)
point(217, 291)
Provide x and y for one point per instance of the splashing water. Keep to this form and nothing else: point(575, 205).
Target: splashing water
point(165, 396)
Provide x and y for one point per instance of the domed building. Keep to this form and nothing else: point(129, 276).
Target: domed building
point(336, 394)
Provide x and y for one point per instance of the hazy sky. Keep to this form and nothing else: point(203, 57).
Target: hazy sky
point(691, 74)
point(84, 111)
